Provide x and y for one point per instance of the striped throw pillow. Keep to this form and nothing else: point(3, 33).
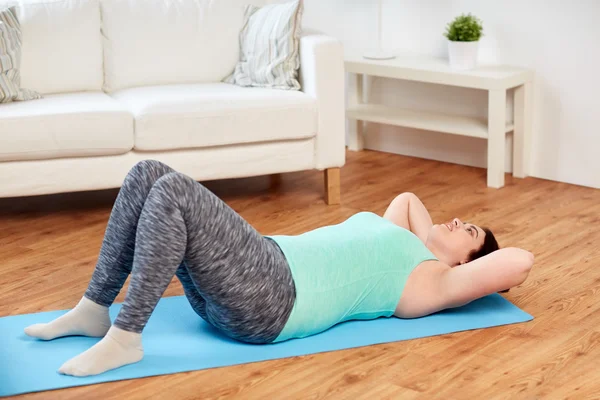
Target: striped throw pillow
point(10, 59)
point(269, 42)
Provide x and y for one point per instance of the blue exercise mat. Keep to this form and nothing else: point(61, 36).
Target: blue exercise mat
point(177, 340)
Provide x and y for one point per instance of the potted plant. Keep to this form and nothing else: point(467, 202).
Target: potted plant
point(463, 38)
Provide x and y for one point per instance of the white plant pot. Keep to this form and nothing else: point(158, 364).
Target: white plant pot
point(463, 55)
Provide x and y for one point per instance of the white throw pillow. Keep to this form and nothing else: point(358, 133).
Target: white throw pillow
point(269, 43)
point(10, 59)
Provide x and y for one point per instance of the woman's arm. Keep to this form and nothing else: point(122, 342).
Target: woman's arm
point(497, 271)
point(407, 211)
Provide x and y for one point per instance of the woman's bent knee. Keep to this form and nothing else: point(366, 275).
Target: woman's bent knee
point(148, 165)
point(146, 172)
point(175, 179)
point(176, 186)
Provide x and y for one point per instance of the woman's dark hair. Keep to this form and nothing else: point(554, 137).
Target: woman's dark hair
point(489, 245)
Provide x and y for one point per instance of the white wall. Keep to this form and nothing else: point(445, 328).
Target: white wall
point(556, 38)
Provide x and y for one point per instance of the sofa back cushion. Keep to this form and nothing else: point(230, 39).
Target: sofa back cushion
point(61, 45)
point(153, 42)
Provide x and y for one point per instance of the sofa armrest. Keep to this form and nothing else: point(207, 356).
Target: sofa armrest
point(322, 77)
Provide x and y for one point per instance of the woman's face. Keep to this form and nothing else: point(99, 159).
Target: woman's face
point(454, 241)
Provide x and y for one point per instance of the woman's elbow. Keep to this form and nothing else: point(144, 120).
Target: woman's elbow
point(528, 261)
point(522, 259)
point(525, 265)
point(403, 197)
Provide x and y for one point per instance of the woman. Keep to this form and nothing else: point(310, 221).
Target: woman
point(261, 289)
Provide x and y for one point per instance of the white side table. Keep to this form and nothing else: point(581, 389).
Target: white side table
point(421, 68)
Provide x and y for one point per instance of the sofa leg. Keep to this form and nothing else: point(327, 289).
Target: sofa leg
point(332, 186)
point(275, 180)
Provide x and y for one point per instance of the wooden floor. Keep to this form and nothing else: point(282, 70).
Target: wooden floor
point(48, 247)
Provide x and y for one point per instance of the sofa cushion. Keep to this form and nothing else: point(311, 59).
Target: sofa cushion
point(202, 115)
point(64, 125)
point(62, 45)
point(152, 42)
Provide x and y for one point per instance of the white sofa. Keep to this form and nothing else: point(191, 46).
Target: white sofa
point(127, 80)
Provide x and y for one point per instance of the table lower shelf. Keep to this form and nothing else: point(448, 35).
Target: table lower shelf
point(454, 124)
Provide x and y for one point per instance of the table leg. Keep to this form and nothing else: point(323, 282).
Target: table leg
point(496, 137)
point(522, 134)
point(355, 127)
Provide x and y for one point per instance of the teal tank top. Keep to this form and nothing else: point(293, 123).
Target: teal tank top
point(353, 270)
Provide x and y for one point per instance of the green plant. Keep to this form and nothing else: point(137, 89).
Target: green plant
point(464, 28)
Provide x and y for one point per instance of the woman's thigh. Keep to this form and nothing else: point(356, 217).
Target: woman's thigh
point(243, 276)
point(253, 304)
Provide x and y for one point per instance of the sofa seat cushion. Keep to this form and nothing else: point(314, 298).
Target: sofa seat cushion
point(64, 125)
point(214, 114)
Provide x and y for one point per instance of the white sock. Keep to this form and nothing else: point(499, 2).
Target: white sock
point(86, 319)
point(116, 349)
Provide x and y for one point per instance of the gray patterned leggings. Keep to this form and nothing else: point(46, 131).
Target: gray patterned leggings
point(164, 224)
